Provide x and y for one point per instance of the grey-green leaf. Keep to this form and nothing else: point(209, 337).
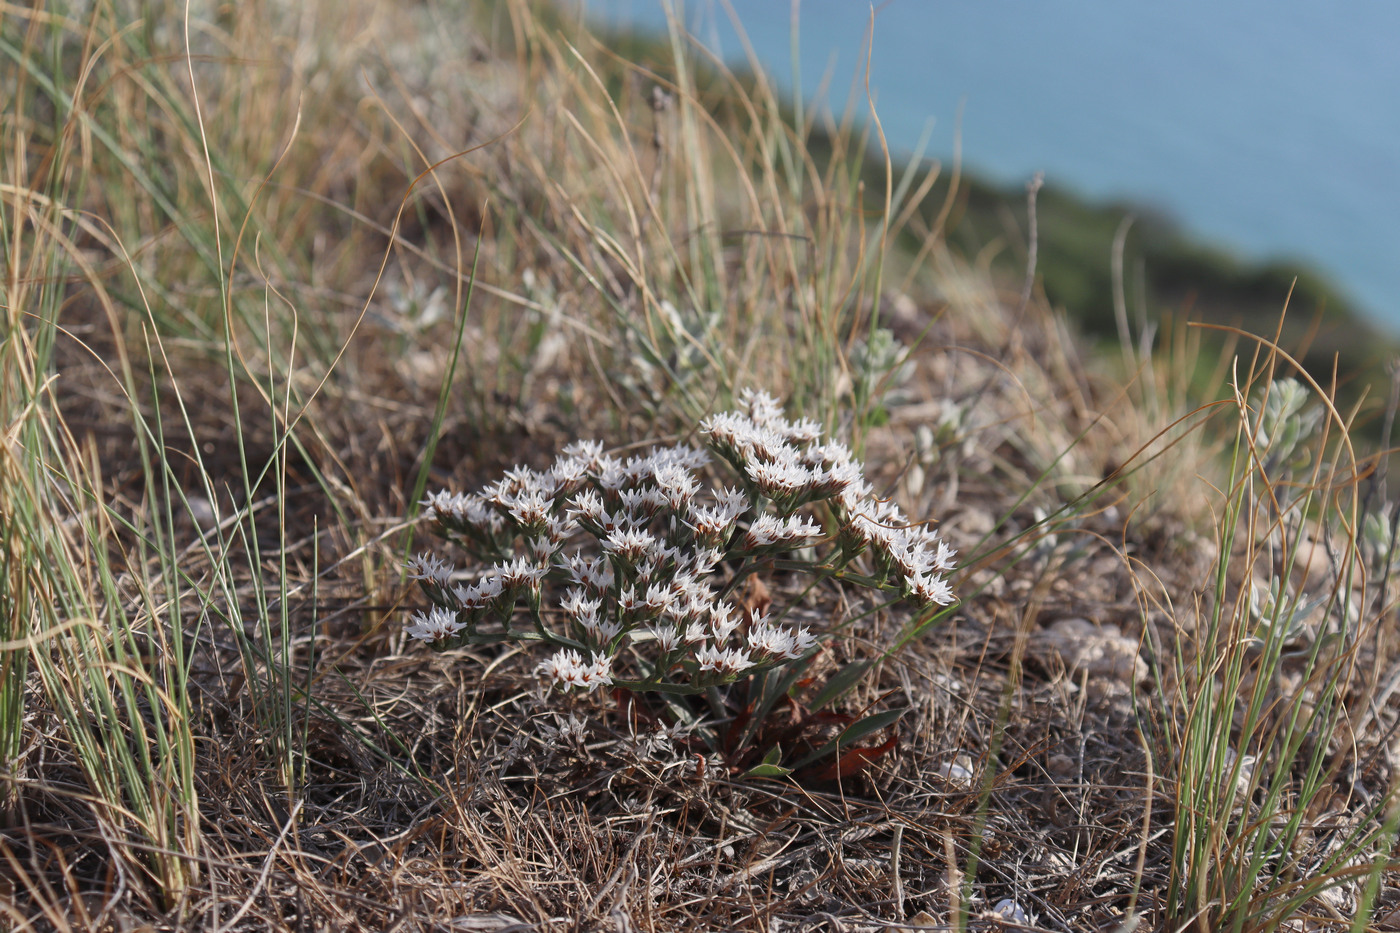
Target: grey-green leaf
point(854, 733)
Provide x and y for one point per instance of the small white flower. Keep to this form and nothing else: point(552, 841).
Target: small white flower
point(769, 640)
point(946, 555)
point(658, 598)
point(530, 510)
point(804, 431)
point(910, 555)
point(770, 445)
point(590, 453)
point(611, 475)
point(684, 584)
point(654, 502)
point(469, 597)
point(628, 600)
point(715, 520)
point(635, 504)
point(867, 529)
point(587, 506)
point(763, 408)
point(433, 625)
point(803, 641)
point(588, 619)
point(561, 666)
point(705, 560)
point(732, 501)
point(835, 480)
point(577, 604)
point(429, 568)
point(568, 668)
point(488, 588)
point(517, 482)
point(832, 452)
point(879, 523)
point(638, 469)
point(847, 473)
point(659, 554)
point(440, 501)
point(594, 573)
point(769, 530)
point(726, 430)
point(559, 530)
point(888, 513)
point(568, 473)
point(763, 532)
point(676, 484)
point(709, 522)
point(723, 621)
point(932, 590)
point(681, 456)
point(855, 496)
point(464, 510)
point(629, 544)
point(668, 638)
point(519, 572)
point(727, 661)
point(691, 606)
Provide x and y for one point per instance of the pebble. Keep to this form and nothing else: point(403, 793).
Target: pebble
point(1101, 651)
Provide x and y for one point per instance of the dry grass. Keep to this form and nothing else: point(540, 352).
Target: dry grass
point(240, 306)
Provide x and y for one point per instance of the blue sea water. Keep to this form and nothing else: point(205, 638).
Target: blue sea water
point(1267, 127)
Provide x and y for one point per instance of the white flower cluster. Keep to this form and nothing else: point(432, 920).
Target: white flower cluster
point(763, 446)
point(632, 552)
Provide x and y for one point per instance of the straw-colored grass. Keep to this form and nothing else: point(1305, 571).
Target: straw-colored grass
point(270, 271)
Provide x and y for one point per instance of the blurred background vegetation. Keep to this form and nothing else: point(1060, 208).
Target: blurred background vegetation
point(1165, 276)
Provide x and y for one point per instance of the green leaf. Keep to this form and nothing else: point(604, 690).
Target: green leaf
point(767, 771)
point(770, 686)
point(769, 767)
point(839, 684)
point(854, 733)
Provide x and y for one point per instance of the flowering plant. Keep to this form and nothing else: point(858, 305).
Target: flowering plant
point(639, 560)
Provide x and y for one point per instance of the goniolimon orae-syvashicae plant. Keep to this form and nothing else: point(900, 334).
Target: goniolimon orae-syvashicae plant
point(628, 568)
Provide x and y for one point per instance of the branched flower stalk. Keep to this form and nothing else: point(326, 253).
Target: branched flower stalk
point(638, 558)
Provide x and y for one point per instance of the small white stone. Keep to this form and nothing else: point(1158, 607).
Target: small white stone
point(1098, 650)
point(1012, 912)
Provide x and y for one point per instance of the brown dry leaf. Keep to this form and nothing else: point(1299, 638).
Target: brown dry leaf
point(756, 598)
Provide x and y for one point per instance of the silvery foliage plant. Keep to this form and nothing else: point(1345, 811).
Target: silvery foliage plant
point(626, 567)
